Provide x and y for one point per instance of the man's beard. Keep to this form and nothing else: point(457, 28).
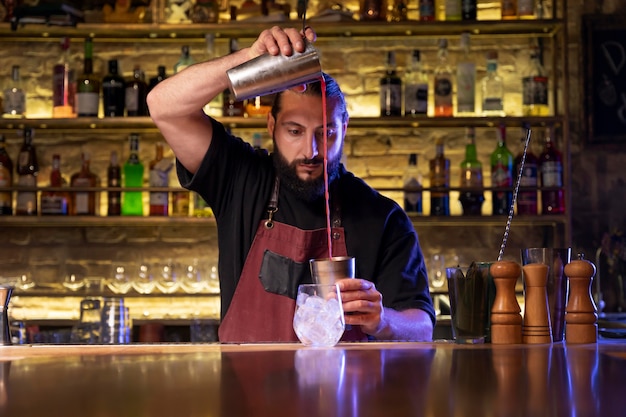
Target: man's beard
point(307, 190)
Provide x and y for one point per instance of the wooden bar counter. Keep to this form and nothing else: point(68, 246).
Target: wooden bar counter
point(352, 379)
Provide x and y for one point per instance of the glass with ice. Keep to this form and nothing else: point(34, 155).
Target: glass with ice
point(318, 319)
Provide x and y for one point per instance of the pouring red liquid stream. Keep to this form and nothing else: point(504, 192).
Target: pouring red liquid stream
point(326, 193)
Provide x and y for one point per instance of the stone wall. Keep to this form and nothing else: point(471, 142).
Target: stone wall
point(377, 154)
point(598, 176)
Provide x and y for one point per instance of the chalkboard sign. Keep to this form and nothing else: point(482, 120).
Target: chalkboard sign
point(604, 82)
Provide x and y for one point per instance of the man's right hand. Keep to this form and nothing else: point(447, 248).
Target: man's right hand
point(283, 41)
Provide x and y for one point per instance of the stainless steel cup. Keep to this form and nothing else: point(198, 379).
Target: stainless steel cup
point(5, 297)
point(557, 286)
point(269, 74)
point(329, 270)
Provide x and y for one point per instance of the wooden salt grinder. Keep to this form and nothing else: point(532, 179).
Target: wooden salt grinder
point(506, 321)
point(581, 318)
point(536, 328)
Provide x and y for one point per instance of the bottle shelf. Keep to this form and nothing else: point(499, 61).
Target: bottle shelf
point(149, 32)
point(151, 221)
point(146, 125)
point(70, 190)
point(549, 220)
point(103, 221)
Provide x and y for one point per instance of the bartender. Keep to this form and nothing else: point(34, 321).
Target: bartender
point(271, 209)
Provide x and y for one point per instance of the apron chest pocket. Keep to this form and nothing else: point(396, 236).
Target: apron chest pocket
point(282, 275)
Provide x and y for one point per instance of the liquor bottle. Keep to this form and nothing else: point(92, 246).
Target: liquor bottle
point(113, 91)
point(230, 106)
point(161, 75)
point(132, 201)
point(114, 180)
point(451, 10)
point(508, 9)
point(443, 82)
point(471, 179)
point(200, 207)
point(390, 89)
point(427, 10)
point(55, 202)
point(535, 87)
point(185, 59)
point(526, 9)
point(412, 187)
point(6, 179)
point(440, 10)
point(492, 88)
point(415, 87)
point(439, 175)
point(27, 171)
point(529, 181)
point(551, 175)
point(7, 10)
point(84, 202)
point(159, 177)
point(257, 141)
point(372, 10)
point(63, 84)
point(180, 203)
point(88, 86)
point(136, 92)
point(259, 106)
point(396, 11)
point(469, 9)
point(466, 80)
point(502, 175)
point(14, 105)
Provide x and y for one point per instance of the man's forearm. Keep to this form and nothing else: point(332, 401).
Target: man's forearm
point(407, 325)
point(187, 92)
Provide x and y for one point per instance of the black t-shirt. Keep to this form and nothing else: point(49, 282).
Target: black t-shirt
point(237, 182)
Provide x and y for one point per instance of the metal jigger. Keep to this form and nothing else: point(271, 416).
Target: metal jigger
point(5, 296)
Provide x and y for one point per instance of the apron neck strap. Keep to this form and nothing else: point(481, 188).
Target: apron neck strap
point(272, 206)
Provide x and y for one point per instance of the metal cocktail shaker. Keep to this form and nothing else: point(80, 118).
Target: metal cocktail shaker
point(5, 296)
point(268, 74)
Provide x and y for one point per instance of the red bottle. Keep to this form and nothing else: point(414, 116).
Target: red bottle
point(551, 174)
point(427, 10)
point(529, 182)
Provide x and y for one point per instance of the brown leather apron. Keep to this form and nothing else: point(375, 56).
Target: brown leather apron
point(262, 309)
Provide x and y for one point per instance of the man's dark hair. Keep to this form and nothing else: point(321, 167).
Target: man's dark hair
point(333, 91)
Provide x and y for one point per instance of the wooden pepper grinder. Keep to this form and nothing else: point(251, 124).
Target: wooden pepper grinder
point(581, 318)
point(536, 328)
point(506, 321)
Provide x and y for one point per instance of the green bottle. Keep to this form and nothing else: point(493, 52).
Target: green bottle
point(471, 184)
point(132, 201)
point(185, 59)
point(502, 175)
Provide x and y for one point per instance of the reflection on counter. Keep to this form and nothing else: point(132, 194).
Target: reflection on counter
point(420, 379)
